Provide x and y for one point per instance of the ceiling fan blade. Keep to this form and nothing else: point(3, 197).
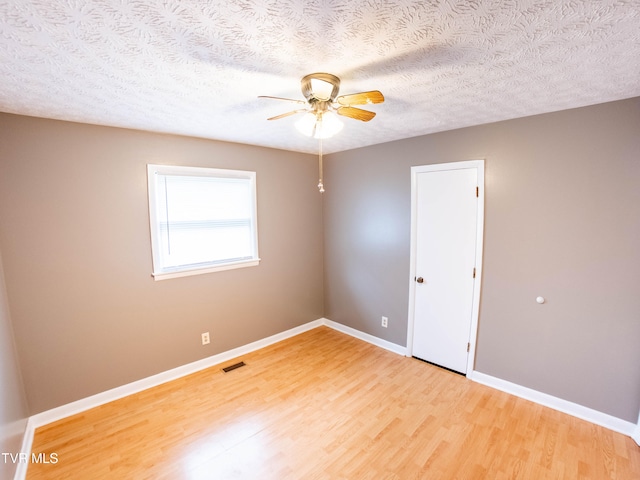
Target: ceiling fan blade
point(357, 113)
point(277, 117)
point(301, 102)
point(362, 98)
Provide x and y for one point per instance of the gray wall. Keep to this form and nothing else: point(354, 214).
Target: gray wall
point(13, 405)
point(74, 236)
point(562, 220)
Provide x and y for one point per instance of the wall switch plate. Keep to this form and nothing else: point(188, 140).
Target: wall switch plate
point(205, 338)
point(385, 322)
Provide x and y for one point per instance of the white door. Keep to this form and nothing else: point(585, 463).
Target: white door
point(445, 248)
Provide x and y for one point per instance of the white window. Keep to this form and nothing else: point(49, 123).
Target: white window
point(202, 220)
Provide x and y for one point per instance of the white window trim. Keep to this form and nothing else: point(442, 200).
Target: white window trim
point(197, 271)
point(187, 270)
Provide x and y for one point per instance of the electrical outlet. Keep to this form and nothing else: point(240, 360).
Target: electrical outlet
point(205, 338)
point(385, 322)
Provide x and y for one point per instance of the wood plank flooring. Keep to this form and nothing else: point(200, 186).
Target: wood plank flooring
point(323, 405)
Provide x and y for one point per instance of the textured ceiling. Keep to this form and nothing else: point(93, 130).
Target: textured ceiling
point(196, 68)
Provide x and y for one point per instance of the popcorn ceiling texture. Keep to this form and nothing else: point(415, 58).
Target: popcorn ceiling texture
point(196, 68)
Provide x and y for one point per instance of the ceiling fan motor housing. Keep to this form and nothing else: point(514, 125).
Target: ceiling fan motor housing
point(322, 87)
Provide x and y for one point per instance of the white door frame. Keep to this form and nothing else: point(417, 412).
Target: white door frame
point(479, 166)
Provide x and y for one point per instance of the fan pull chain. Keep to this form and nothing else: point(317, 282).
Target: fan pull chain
point(320, 185)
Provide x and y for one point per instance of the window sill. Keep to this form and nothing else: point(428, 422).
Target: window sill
point(198, 271)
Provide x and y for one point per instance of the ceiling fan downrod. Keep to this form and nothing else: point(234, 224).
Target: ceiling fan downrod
point(320, 184)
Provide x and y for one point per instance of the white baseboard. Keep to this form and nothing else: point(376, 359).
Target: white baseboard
point(27, 440)
point(87, 403)
point(570, 408)
point(636, 432)
point(379, 342)
point(78, 406)
point(93, 401)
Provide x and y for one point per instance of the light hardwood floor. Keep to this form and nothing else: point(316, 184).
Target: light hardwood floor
point(323, 405)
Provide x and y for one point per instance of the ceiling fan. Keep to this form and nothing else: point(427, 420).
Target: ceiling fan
point(321, 91)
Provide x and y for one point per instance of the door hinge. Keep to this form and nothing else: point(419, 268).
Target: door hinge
point(477, 191)
point(468, 347)
point(474, 272)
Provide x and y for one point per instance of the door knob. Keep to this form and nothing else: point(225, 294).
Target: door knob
point(420, 280)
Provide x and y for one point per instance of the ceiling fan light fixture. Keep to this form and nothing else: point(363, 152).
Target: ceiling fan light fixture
point(306, 124)
point(319, 125)
point(328, 125)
